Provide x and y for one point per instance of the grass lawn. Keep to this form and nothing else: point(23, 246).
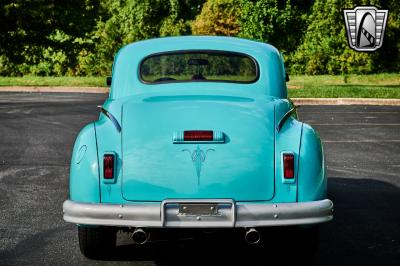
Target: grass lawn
point(324, 86)
point(349, 86)
point(53, 81)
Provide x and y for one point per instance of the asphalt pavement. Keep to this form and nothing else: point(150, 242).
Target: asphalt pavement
point(362, 147)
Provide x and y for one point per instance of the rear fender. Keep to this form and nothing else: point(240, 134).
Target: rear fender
point(287, 139)
point(109, 141)
point(84, 171)
point(312, 181)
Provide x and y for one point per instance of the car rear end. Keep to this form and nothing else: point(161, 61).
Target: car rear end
point(212, 143)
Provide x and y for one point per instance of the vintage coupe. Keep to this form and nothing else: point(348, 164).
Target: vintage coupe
point(197, 132)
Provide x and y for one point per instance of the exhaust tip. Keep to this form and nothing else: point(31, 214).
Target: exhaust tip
point(252, 236)
point(140, 236)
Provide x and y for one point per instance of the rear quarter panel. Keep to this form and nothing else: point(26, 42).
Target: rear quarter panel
point(288, 139)
point(84, 171)
point(312, 182)
point(109, 140)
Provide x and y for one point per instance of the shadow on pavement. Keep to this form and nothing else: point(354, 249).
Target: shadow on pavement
point(366, 225)
point(222, 248)
point(365, 231)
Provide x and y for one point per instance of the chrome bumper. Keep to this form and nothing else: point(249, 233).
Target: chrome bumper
point(231, 214)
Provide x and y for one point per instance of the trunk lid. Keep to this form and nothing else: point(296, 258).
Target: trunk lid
point(154, 168)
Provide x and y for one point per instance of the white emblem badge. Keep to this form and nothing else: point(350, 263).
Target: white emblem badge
point(365, 27)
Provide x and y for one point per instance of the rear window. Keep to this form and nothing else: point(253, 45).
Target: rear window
point(199, 66)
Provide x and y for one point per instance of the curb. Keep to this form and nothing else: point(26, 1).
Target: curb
point(297, 101)
point(345, 101)
point(54, 89)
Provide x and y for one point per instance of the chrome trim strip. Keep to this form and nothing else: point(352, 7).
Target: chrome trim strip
point(112, 118)
point(245, 214)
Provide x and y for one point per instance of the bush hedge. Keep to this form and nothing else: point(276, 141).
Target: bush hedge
point(79, 38)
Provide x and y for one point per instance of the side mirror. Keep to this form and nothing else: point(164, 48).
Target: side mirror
point(108, 81)
point(287, 77)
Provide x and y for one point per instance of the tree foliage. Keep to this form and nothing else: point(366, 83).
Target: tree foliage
point(44, 37)
point(217, 17)
point(81, 37)
point(279, 23)
point(325, 50)
point(130, 21)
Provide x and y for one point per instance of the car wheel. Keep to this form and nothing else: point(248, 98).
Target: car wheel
point(96, 242)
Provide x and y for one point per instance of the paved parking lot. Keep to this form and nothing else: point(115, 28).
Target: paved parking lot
point(362, 146)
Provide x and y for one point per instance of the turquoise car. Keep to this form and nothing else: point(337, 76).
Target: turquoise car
point(197, 132)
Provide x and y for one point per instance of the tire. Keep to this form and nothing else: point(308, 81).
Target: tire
point(96, 242)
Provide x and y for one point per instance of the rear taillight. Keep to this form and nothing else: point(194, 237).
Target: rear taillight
point(198, 135)
point(108, 164)
point(288, 165)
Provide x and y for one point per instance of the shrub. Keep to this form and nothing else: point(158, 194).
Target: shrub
point(218, 17)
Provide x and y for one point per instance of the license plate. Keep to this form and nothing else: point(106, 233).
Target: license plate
point(202, 209)
point(192, 213)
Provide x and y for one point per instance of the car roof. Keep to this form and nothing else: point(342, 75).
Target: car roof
point(158, 45)
point(128, 59)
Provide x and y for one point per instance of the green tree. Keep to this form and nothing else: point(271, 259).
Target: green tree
point(325, 50)
point(36, 32)
point(389, 54)
point(131, 20)
point(81, 37)
point(218, 17)
point(280, 23)
point(324, 42)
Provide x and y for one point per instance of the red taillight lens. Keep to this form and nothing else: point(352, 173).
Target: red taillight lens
point(198, 135)
point(108, 164)
point(288, 165)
